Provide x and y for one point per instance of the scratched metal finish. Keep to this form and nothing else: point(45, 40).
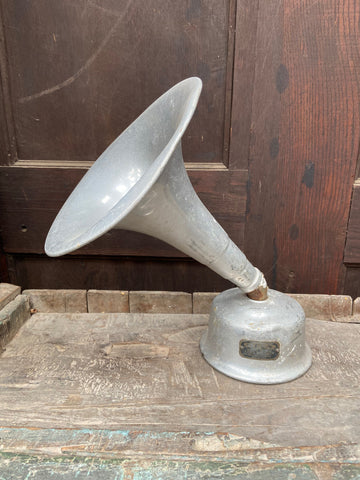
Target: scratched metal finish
point(236, 320)
point(139, 183)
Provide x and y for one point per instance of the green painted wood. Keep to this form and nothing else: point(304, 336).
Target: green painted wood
point(42, 468)
point(185, 446)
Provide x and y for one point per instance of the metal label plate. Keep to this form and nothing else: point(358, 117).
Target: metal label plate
point(259, 350)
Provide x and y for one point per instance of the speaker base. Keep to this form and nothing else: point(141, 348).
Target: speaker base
point(256, 341)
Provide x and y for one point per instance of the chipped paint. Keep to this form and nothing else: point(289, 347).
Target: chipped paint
point(183, 445)
point(228, 443)
point(68, 468)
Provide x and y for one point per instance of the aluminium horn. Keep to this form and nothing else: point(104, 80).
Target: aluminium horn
point(140, 183)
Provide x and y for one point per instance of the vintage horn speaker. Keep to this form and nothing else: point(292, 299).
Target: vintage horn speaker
point(140, 183)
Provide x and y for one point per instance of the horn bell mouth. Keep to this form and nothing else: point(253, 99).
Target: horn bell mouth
point(125, 171)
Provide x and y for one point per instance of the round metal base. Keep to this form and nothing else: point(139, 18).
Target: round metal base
point(257, 341)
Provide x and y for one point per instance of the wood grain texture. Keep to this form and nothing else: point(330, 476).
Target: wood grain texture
point(335, 308)
point(70, 301)
point(160, 302)
point(265, 118)
point(7, 293)
point(132, 371)
point(67, 468)
point(107, 301)
point(243, 82)
point(352, 281)
point(114, 273)
point(82, 71)
point(305, 142)
point(202, 301)
point(352, 248)
point(31, 197)
point(196, 446)
point(12, 317)
point(8, 153)
point(4, 273)
point(116, 396)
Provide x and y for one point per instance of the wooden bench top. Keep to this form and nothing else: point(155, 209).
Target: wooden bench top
point(135, 388)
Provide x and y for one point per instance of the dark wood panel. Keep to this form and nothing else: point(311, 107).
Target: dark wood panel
point(7, 133)
point(305, 142)
point(31, 197)
point(264, 128)
point(352, 281)
point(243, 83)
point(4, 273)
point(113, 273)
point(81, 71)
point(352, 248)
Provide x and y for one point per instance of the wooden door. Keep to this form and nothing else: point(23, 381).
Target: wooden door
point(271, 149)
point(75, 75)
point(304, 142)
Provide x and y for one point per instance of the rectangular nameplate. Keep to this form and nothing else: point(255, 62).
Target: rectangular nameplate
point(259, 350)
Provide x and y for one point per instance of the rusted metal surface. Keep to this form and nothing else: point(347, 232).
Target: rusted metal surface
point(259, 294)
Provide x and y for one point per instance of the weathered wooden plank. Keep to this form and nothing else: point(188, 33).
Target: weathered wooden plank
point(306, 95)
point(160, 302)
point(337, 308)
point(326, 307)
point(7, 293)
point(202, 301)
point(42, 468)
point(12, 317)
point(108, 301)
point(58, 301)
point(145, 371)
point(181, 445)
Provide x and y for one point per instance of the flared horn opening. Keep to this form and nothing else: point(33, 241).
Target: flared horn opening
point(125, 172)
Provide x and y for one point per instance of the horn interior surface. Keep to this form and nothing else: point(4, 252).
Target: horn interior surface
point(135, 159)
